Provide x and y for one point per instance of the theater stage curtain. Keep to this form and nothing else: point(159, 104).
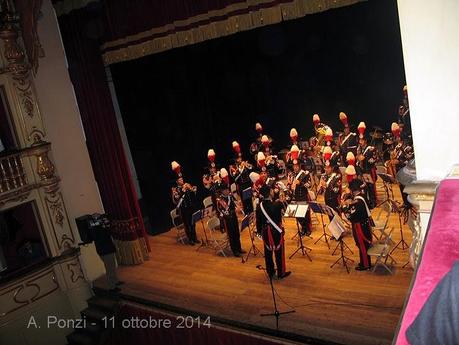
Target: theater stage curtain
point(138, 28)
point(103, 138)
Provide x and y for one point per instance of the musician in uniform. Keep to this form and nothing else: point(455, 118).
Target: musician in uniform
point(294, 137)
point(298, 181)
point(184, 197)
point(240, 173)
point(269, 224)
point(210, 179)
point(356, 210)
point(404, 120)
point(347, 139)
point(226, 208)
point(366, 156)
point(330, 183)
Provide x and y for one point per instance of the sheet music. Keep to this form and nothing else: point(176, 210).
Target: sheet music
point(336, 227)
point(301, 211)
point(290, 211)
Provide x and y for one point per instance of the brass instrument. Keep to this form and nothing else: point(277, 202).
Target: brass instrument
point(207, 181)
point(188, 187)
point(320, 129)
point(246, 164)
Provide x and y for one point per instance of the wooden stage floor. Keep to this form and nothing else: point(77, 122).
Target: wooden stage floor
point(330, 304)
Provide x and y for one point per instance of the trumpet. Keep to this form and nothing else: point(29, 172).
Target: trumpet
point(246, 164)
point(189, 187)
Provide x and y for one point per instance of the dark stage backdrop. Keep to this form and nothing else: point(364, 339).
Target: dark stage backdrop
point(178, 104)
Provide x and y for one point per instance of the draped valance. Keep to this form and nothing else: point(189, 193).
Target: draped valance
point(137, 28)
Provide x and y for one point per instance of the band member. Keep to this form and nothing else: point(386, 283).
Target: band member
point(404, 115)
point(240, 173)
point(358, 213)
point(298, 182)
point(211, 177)
point(293, 155)
point(316, 121)
point(348, 139)
point(353, 177)
point(226, 207)
point(335, 156)
point(266, 145)
point(328, 136)
point(261, 163)
point(269, 223)
point(366, 161)
point(400, 156)
point(184, 197)
point(262, 143)
point(294, 136)
point(330, 184)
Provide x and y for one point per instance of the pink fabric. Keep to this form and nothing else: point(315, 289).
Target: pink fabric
point(441, 250)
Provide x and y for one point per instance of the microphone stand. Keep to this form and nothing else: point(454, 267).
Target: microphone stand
point(276, 313)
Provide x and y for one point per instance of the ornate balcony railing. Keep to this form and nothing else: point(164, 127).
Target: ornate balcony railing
point(12, 173)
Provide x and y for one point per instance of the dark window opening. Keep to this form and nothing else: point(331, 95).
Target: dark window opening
point(21, 244)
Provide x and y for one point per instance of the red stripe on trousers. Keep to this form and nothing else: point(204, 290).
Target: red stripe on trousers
point(361, 238)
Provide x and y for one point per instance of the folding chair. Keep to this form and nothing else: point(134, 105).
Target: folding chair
point(381, 220)
point(218, 240)
point(178, 226)
point(381, 250)
point(207, 202)
point(380, 189)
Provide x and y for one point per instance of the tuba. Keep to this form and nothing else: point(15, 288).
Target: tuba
point(320, 129)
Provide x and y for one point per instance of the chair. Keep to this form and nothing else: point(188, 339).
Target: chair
point(178, 226)
point(207, 202)
point(381, 250)
point(380, 189)
point(219, 240)
point(381, 220)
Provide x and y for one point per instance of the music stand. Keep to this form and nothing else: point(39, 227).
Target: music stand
point(388, 181)
point(298, 210)
point(322, 209)
point(276, 313)
point(332, 231)
point(338, 231)
point(196, 217)
point(247, 222)
point(402, 241)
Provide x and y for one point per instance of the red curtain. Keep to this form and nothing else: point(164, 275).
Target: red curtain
point(80, 34)
point(182, 330)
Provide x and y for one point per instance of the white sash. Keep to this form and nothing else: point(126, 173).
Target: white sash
point(299, 174)
point(368, 147)
point(330, 178)
point(269, 218)
point(347, 137)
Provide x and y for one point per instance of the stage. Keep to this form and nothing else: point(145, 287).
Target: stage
point(330, 304)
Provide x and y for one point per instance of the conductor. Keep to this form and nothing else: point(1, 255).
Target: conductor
point(269, 224)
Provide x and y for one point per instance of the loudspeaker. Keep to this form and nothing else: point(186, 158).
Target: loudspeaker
point(84, 228)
